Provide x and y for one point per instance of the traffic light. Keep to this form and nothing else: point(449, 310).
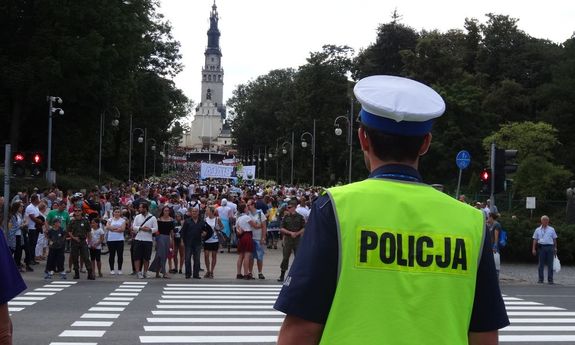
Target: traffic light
point(19, 164)
point(33, 162)
point(36, 166)
point(504, 164)
point(485, 177)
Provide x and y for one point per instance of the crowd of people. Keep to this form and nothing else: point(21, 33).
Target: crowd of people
point(179, 217)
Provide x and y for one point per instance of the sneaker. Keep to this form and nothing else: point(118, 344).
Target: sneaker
point(63, 276)
point(29, 269)
point(112, 272)
point(261, 276)
point(48, 276)
point(145, 275)
point(239, 276)
point(140, 275)
point(119, 272)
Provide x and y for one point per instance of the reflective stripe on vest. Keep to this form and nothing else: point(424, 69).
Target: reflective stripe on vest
point(408, 263)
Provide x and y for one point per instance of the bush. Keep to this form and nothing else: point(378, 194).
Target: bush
point(520, 239)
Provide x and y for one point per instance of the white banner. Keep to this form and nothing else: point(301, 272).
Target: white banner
point(225, 171)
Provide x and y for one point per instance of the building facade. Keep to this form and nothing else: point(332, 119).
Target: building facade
point(209, 132)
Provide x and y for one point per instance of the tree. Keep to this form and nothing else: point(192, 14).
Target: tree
point(96, 56)
point(384, 56)
point(537, 174)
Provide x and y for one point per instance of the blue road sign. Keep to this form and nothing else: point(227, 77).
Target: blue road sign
point(463, 159)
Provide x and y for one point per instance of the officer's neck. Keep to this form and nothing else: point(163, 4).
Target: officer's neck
point(374, 163)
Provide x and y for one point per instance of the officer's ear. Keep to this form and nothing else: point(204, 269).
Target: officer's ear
point(363, 139)
point(425, 145)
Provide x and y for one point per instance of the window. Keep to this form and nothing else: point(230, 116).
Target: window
point(204, 77)
point(219, 77)
point(209, 77)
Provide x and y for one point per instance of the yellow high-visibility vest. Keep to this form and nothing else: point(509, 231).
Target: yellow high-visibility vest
point(408, 264)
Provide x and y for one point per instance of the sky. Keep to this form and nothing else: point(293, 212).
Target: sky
point(261, 35)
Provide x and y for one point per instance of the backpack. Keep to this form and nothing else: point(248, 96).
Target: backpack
point(502, 238)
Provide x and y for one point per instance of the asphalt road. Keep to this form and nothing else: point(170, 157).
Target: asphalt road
point(155, 311)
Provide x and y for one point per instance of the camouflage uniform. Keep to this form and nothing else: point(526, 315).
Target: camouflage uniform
point(80, 228)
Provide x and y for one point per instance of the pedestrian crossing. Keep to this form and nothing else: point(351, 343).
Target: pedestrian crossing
point(534, 322)
point(95, 323)
point(39, 294)
point(214, 313)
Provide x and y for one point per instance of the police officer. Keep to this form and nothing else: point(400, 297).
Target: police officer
point(391, 260)
point(78, 230)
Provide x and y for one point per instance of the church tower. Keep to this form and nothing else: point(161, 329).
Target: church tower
point(208, 132)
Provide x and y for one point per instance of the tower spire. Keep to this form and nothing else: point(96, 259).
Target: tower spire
point(214, 32)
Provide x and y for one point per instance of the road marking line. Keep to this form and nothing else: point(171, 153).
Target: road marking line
point(136, 283)
point(92, 323)
point(538, 320)
point(123, 294)
point(219, 312)
point(512, 299)
point(39, 293)
point(118, 299)
point(523, 303)
point(216, 289)
point(541, 313)
point(534, 308)
point(128, 290)
point(273, 298)
point(87, 334)
point(16, 303)
point(60, 343)
point(106, 309)
point(243, 328)
point(239, 286)
point(24, 298)
point(538, 329)
point(215, 320)
point(207, 301)
point(215, 306)
point(233, 293)
point(535, 338)
point(64, 282)
point(209, 339)
point(99, 316)
point(56, 286)
point(15, 309)
point(48, 289)
point(568, 296)
point(113, 303)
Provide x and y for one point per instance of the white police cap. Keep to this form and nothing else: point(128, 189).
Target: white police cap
point(397, 105)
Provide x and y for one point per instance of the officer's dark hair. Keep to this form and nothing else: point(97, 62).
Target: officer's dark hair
point(145, 205)
point(389, 147)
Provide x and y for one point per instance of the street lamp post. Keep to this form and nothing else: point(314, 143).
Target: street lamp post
point(51, 111)
point(114, 123)
point(140, 140)
point(338, 132)
point(145, 150)
point(153, 147)
point(304, 145)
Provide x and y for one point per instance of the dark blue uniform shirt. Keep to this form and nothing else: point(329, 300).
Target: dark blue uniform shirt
point(11, 282)
point(309, 290)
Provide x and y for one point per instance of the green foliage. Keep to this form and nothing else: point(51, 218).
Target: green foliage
point(531, 139)
point(538, 177)
point(97, 57)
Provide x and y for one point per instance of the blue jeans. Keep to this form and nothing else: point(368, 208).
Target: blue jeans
point(546, 255)
point(195, 251)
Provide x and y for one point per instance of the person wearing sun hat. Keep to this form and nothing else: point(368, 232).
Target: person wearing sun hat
point(383, 257)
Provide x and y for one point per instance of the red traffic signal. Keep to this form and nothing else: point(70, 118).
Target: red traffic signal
point(36, 159)
point(19, 157)
point(485, 175)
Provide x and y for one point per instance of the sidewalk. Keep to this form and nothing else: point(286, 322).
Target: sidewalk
point(225, 268)
point(527, 274)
